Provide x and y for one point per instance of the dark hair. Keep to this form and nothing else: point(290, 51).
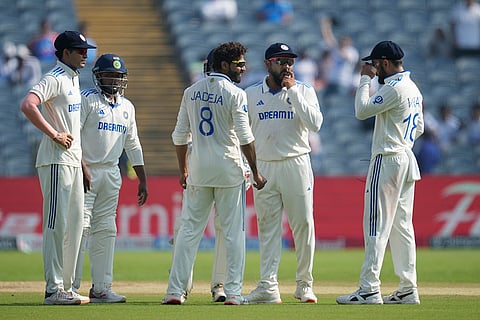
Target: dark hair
point(229, 52)
point(397, 63)
point(58, 54)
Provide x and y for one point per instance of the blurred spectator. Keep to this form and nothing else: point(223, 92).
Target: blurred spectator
point(316, 151)
point(9, 61)
point(448, 130)
point(276, 11)
point(41, 45)
point(344, 58)
point(325, 64)
point(473, 125)
point(430, 121)
point(196, 68)
point(19, 66)
point(83, 28)
point(465, 24)
point(429, 154)
point(439, 47)
point(28, 71)
point(306, 68)
point(219, 10)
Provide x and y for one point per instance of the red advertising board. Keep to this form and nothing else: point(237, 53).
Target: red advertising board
point(445, 206)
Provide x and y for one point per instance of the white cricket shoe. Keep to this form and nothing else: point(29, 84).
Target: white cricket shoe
point(361, 297)
point(61, 297)
point(75, 294)
point(235, 300)
point(305, 293)
point(264, 294)
point(218, 294)
point(106, 296)
point(174, 298)
point(407, 297)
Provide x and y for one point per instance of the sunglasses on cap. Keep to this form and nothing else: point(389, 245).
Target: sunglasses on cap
point(282, 61)
point(239, 63)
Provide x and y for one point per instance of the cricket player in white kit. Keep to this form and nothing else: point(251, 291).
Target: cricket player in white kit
point(108, 127)
point(213, 115)
point(59, 165)
point(282, 112)
point(390, 185)
point(219, 268)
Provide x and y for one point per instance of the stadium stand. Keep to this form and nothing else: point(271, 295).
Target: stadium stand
point(367, 22)
point(166, 39)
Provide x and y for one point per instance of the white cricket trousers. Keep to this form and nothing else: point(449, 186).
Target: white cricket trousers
point(289, 187)
point(219, 268)
point(388, 212)
point(62, 190)
point(100, 211)
point(230, 207)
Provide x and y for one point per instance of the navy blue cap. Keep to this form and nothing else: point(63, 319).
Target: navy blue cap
point(110, 62)
point(385, 50)
point(279, 49)
point(72, 39)
point(208, 64)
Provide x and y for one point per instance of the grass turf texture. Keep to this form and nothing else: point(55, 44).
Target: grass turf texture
point(449, 287)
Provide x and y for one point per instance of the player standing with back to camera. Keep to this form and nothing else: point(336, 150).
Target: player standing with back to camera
point(282, 112)
point(213, 115)
point(390, 185)
point(220, 253)
point(108, 126)
point(59, 165)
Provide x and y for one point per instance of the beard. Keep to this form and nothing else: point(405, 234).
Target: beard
point(381, 74)
point(278, 77)
point(234, 76)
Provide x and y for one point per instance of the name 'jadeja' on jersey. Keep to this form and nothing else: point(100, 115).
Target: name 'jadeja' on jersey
point(207, 97)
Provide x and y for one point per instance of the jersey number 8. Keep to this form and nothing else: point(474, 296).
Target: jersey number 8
point(206, 125)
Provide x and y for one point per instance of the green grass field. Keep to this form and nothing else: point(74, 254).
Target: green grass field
point(449, 287)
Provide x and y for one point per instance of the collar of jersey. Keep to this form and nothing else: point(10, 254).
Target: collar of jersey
point(396, 75)
point(67, 69)
point(267, 89)
point(221, 75)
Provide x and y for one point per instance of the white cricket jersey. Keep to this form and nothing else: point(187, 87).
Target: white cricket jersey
point(397, 129)
point(107, 129)
point(213, 114)
point(282, 120)
point(59, 93)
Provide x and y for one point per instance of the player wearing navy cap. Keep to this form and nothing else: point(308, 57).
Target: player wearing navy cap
point(282, 112)
point(108, 127)
point(390, 185)
point(59, 165)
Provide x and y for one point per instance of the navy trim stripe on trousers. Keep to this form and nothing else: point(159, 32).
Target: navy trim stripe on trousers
point(374, 195)
point(52, 213)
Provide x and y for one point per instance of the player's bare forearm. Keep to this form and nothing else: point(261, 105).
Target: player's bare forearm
point(249, 152)
point(142, 193)
point(181, 151)
point(87, 178)
point(29, 107)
